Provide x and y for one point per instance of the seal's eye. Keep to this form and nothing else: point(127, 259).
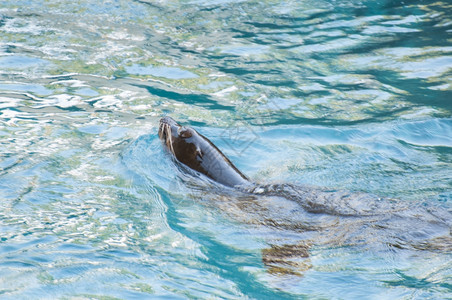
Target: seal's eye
point(184, 133)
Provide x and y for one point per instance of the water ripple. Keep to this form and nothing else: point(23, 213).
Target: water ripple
point(352, 95)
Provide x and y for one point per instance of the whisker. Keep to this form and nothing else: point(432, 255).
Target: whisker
point(169, 137)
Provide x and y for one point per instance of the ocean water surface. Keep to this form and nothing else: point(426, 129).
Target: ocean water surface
point(341, 95)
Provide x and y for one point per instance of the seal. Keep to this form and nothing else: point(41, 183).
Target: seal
point(198, 153)
point(311, 215)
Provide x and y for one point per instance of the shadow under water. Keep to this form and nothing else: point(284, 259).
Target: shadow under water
point(305, 217)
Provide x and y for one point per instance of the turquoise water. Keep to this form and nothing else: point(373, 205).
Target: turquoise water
point(349, 95)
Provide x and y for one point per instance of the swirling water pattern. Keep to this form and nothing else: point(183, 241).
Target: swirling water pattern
point(352, 95)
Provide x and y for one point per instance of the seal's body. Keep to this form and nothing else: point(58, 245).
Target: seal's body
point(198, 153)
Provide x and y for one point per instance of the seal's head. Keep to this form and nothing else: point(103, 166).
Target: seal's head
point(198, 153)
point(180, 141)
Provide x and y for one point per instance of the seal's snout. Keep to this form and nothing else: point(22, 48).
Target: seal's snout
point(167, 120)
point(166, 127)
point(163, 127)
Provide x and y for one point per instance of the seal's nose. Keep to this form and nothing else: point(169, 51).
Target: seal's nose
point(167, 126)
point(167, 120)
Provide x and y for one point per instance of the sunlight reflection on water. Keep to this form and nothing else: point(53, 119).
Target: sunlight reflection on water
point(352, 96)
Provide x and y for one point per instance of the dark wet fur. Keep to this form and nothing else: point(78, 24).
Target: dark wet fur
point(198, 153)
